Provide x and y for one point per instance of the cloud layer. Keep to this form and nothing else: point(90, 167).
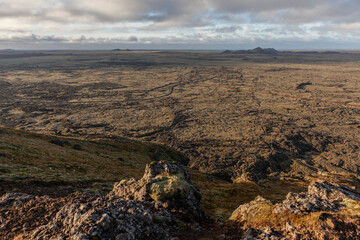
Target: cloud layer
point(174, 22)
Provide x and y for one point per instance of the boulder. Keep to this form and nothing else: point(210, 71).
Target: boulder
point(165, 184)
point(326, 211)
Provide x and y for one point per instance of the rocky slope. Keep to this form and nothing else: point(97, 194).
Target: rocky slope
point(164, 204)
point(326, 211)
point(164, 192)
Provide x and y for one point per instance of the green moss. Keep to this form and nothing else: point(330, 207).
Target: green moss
point(168, 187)
point(352, 208)
point(259, 212)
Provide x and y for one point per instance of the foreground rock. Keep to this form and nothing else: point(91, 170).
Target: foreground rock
point(167, 185)
point(82, 217)
point(326, 211)
point(141, 209)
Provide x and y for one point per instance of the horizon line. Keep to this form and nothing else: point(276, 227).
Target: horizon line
point(157, 49)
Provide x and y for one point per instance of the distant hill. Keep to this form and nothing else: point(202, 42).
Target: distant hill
point(273, 51)
point(7, 50)
point(257, 50)
point(118, 49)
point(317, 52)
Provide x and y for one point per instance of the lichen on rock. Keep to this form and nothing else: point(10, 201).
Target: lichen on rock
point(167, 185)
point(258, 210)
point(132, 210)
point(326, 211)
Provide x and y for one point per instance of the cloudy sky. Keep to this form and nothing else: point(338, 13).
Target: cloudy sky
point(179, 24)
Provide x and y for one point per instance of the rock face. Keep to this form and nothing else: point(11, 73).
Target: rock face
point(167, 185)
point(326, 211)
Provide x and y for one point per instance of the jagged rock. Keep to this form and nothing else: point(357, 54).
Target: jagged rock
point(83, 216)
point(321, 196)
point(105, 219)
point(332, 192)
point(326, 211)
point(133, 210)
point(167, 185)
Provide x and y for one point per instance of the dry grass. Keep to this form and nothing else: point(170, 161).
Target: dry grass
point(32, 157)
point(33, 161)
point(211, 115)
point(217, 114)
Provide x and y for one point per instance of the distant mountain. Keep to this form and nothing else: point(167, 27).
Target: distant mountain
point(260, 50)
point(273, 51)
point(7, 50)
point(257, 50)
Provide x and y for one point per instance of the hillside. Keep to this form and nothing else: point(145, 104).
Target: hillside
point(42, 164)
point(163, 203)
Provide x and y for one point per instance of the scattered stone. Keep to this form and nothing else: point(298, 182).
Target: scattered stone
point(4, 154)
point(60, 142)
point(303, 85)
point(77, 147)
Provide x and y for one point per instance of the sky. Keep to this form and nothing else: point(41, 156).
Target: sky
point(179, 24)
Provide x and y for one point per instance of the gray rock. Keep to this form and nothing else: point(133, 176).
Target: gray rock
point(184, 195)
point(321, 196)
point(125, 213)
point(4, 154)
point(60, 142)
point(77, 147)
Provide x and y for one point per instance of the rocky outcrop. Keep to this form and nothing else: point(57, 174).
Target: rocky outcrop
point(82, 217)
point(166, 185)
point(321, 196)
point(326, 211)
point(144, 209)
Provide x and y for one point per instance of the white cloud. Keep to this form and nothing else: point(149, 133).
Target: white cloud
point(167, 21)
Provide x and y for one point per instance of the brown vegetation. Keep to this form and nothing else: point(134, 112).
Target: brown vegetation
point(243, 122)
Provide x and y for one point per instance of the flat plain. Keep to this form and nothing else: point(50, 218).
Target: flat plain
point(242, 118)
